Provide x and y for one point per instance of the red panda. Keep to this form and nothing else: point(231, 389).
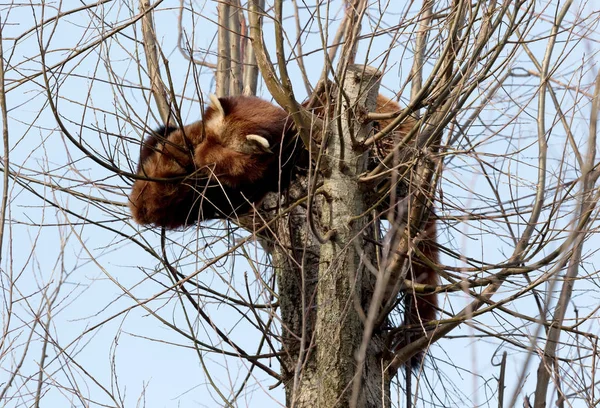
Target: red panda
point(219, 166)
point(229, 161)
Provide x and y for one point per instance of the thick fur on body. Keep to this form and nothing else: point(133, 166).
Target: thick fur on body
point(224, 164)
point(237, 161)
point(424, 307)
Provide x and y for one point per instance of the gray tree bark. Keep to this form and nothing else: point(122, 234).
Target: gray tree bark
point(324, 286)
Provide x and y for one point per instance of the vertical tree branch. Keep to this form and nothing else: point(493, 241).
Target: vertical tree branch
point(150, 49)
point(588, 176)
point(224, 50)
point(355, 11)
point(5, 144)
point(420, 47)
point(250, 67)
point(283, 94)
point(235, 45)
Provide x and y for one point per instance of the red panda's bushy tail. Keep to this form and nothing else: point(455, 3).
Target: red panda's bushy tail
point(423, 308)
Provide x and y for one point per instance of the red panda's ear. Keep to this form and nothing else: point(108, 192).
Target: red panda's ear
point(216, 103)
point(214, 122)
point(260, 142)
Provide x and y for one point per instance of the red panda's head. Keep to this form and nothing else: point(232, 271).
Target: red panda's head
point(241, 138)
point(152, 143)
point(246, 124)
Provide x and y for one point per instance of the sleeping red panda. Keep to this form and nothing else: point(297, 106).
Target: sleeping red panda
point(219, 167)
point(231, 160)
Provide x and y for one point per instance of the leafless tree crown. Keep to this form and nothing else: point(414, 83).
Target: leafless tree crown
point(298, 301)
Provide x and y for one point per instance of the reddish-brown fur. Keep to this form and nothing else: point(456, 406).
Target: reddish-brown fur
point(426, 309)
point(169, 204)
point(152, 143)
point(426, 305)
point(220, 172)
point(420, 308)
point(237, 162)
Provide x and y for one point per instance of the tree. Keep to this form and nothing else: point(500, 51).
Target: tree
point(304, 293)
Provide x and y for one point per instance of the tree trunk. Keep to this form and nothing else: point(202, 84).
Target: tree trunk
point(324, 286)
